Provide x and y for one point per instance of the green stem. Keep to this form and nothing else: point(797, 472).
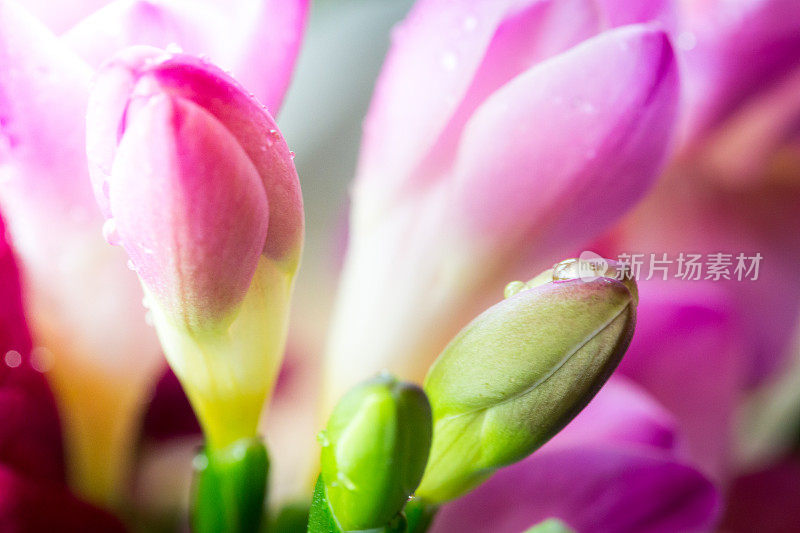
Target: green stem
point(230, 488)
point(420, 515)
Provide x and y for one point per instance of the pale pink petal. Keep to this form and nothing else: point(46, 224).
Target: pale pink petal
point(446, 58)
point(566, 148)
point(43, 92)
point(59, 15)
point(256, 40)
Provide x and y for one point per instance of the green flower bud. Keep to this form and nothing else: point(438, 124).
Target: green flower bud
point(518, 373)
point(374, 452)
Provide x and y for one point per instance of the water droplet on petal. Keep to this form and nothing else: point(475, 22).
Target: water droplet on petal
point(470, 23)
point(346, 481)
point(449, 61)
point(686, 40)
point(131, 266)
point(173, 48)
point(513, 288)
point(566, 270)
point(200, 462)
point(110, 232)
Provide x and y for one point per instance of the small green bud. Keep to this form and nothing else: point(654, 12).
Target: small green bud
point(518, 373)
point(374, 451)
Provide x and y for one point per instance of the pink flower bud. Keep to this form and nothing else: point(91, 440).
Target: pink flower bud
point(199, 188)
point(195, 179)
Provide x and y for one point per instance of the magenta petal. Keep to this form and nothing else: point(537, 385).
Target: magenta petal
point(621, 413)
point(732, 50)
point(687, 352)
point(30, 434)
point(563, 150)
point(198, 242)
point(36, 506)
point(593, 489)
point(622, 12)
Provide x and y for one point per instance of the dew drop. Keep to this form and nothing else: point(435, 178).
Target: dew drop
point(513, 288)
point(173, 48)
point(686, 40)
point(110, 232)
point(345, 481)
point(470, 23)
point(131, 266)
point(200, 462)
point(566, 270)
point(449, 61)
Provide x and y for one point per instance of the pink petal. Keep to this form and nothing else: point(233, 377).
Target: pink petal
point(257, 40)
point(463, 51)
point(58, 16)
point(209, 88)
point(198, 242)
point(43, 91)
point(563, 150)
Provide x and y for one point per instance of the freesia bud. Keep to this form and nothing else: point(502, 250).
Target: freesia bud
point(199, 188)
point(374, 452)
point(517, 374)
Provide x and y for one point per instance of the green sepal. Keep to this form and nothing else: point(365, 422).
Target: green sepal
point(320, 517)
point(230, 488)
point(322, 520)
